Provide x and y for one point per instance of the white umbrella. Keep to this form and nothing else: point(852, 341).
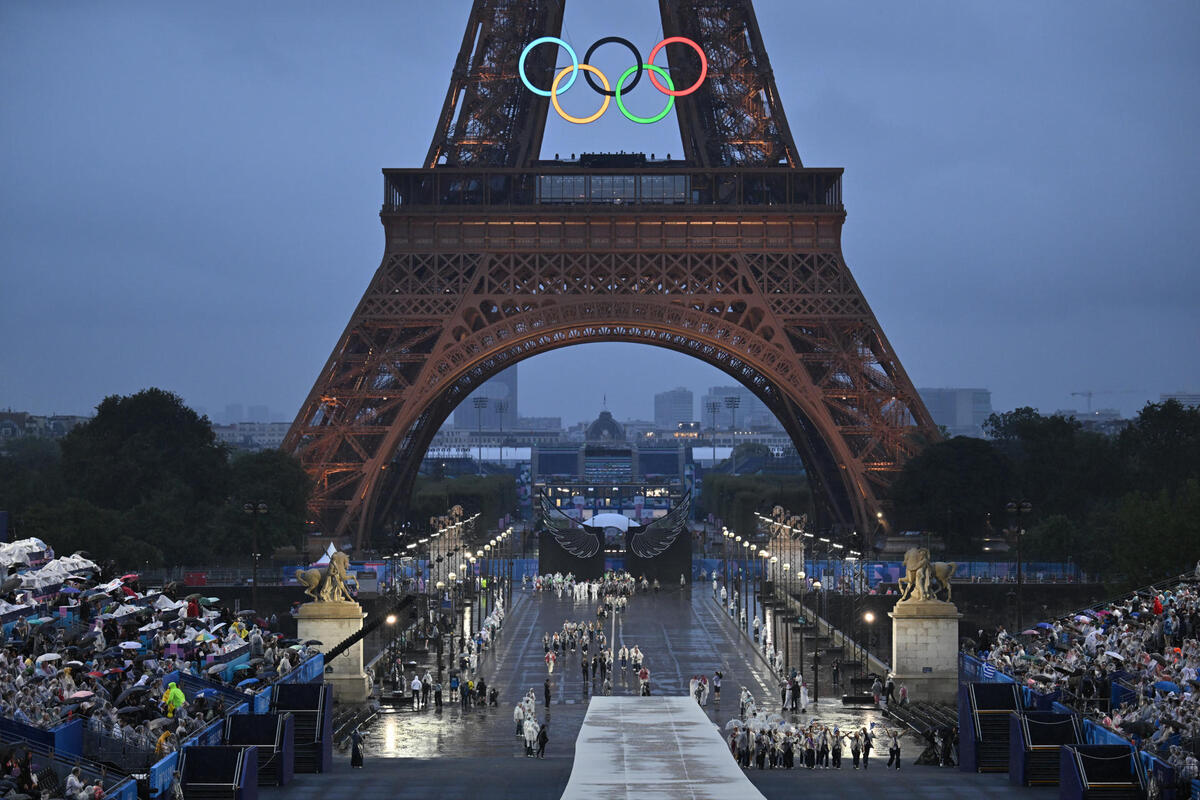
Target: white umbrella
point(733, 723)
point(153, 626)
point(44, 657)
point(130, 645)
point(1114, 654)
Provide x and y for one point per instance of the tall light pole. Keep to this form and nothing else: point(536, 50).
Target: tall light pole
point(1016, 509)
point(480, 404)
point(712, 407)
point(255, 511)
point(501, 407)
point(732, 402)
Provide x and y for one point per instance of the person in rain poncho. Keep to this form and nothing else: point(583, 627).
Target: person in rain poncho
point(173, 699)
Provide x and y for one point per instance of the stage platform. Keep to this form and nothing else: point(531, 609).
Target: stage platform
point(653, 748)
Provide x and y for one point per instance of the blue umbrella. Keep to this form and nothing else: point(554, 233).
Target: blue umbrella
point(69, 590)
point(1167, 686)
point(248, 682)
point(1045, 626)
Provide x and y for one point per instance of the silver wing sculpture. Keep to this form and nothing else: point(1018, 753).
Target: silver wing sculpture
point(571, 536)
point(656, 537)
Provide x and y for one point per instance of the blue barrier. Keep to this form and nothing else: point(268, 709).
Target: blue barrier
point(1196, 790)
point(312, 670)
point(161, 772)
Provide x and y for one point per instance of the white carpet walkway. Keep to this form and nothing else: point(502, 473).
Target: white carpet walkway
point(653, 748)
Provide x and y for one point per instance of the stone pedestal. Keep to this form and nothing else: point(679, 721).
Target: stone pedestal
point(925, 649)
point(330, 624)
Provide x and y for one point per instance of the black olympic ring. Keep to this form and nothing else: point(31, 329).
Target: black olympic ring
point(637, 57)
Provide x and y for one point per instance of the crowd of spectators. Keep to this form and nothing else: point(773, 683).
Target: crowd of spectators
point(76, 646)
point(1147, 644)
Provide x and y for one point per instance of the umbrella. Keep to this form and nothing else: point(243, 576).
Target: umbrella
point(314, 643)
point(1030, 632)
point(1044, 626)
point(133, 576)
point(242, 667)
point(74, 664)
point(155, 724)
point(191, 597)
point(130, 645)
point(733, 723)
point(89, 636)
point(247, 612)
point(95, 674)
point(69, 590)
point(215, 668)
point(1114, 654)
point(208, 601)
point(82, 695)
point(1167, 686)
point(44, 657)
point(130, 710)
point(114, 671)
point(125, 695)
point(247, 682)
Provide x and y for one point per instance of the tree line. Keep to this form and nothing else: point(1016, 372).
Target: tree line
point(1126, 507)
point(145, 482)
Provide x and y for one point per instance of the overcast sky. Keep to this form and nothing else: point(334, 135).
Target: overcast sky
point(189, 192)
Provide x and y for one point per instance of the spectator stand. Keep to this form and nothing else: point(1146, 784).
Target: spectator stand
point(983, 725)
point(311, 704)
point(1107, 771)
point(1035, 739)
point(52, 764)
point(219, 773)
point(273, 735)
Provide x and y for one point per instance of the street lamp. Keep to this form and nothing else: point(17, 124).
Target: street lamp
point(255, 512)
point(868, 618)
point(1016, 509)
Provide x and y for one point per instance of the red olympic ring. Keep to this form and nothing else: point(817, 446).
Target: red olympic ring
point(703, 66)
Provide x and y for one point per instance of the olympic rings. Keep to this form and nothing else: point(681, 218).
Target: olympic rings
point(703, 65)
point(607, 91)
point(574, 71)
point(587, 59)
point(670, 97)
point(535, 43)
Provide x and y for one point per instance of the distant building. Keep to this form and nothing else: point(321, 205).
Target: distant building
point(18, 424)
point(234, 414)
point(257, 414)
point(750, 414)
point(1191, 399)
point(673, 407)
point(1103, 420)
point(961, 412)
point(500, 410)
point(252, 435)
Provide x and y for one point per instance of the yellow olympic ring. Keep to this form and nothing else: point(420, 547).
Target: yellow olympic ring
point(565, 115)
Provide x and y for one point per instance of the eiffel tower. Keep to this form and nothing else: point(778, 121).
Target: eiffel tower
point(731, 255)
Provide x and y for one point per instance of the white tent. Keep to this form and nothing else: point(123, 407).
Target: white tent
point(610, 520)
point(324, 559)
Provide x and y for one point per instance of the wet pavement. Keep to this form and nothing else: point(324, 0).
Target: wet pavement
point(456, 754)
point(681, 632)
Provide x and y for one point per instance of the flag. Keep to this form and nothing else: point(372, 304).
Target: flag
point(989, 672)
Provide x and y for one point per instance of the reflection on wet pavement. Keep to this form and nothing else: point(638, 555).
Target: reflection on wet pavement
point(681, 632)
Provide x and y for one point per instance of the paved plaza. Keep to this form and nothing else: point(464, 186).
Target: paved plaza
point(472, 754)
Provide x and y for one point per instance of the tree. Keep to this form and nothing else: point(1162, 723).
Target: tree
point(30, 475)
point(736, 498)
point(1162, 446)
point(156, 462)
point(960, 479)
point(274, 478)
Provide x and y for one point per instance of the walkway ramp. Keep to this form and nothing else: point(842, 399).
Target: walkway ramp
point(653, 748)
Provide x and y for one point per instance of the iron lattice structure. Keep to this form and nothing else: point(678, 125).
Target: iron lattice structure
point(733, 257)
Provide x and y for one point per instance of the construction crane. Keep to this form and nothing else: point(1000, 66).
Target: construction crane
point(1089, 393)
